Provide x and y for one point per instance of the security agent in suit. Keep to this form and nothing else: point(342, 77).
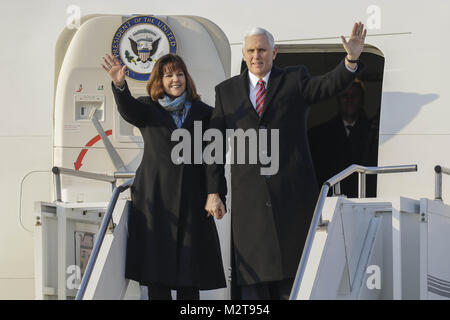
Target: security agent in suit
point(344, 140)
point(271, 214)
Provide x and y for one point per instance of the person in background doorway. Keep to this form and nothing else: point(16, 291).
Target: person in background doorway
point(344, 140)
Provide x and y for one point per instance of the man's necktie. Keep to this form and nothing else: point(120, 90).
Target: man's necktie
point(260, 96)
point(349, 130)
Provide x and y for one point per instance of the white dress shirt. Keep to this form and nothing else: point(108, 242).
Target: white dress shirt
point(348, 124)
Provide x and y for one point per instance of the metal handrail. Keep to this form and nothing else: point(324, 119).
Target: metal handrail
point(101, 235)
point(57, 171)
point(439, 170)
point(317, 217)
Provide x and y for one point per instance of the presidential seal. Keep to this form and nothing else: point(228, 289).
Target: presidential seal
point(139, 42)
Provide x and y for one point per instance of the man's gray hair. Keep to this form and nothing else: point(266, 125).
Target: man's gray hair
point(258, 30)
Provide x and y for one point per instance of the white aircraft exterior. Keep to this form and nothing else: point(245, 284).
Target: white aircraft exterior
point(51, 70)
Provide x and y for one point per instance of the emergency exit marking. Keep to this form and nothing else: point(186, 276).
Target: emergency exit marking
point(77, 164)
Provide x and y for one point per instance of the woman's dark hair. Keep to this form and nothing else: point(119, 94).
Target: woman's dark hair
point(169, 62)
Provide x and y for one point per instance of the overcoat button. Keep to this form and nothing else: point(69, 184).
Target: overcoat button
point(268, 204)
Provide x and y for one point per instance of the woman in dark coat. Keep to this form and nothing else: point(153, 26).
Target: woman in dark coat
point(172, 242)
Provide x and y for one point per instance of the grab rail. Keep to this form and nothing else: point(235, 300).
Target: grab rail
point(101, 235)
point(57, 171)
point(439, 170)
point(317, 217)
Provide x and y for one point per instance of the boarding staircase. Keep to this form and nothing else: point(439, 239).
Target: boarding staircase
point(362, 248)
point(376, 248)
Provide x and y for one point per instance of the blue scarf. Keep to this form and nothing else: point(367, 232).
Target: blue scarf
point(177, 107)
point(170, 104)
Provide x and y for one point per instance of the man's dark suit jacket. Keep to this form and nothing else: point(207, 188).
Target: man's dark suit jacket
point(333, 151)
point(271, 215)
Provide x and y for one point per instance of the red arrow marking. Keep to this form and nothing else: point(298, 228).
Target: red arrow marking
point(91, 142)
point(97, 138)
point(78, 163)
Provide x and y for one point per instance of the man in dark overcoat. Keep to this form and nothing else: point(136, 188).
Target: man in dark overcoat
point(271, 214)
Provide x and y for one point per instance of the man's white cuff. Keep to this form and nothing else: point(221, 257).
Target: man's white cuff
point(351, 70)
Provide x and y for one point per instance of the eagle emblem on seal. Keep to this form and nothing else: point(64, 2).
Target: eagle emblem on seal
point(144, 44)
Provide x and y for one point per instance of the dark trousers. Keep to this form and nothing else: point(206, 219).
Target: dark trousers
point(161, 292)
point(274, 290)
